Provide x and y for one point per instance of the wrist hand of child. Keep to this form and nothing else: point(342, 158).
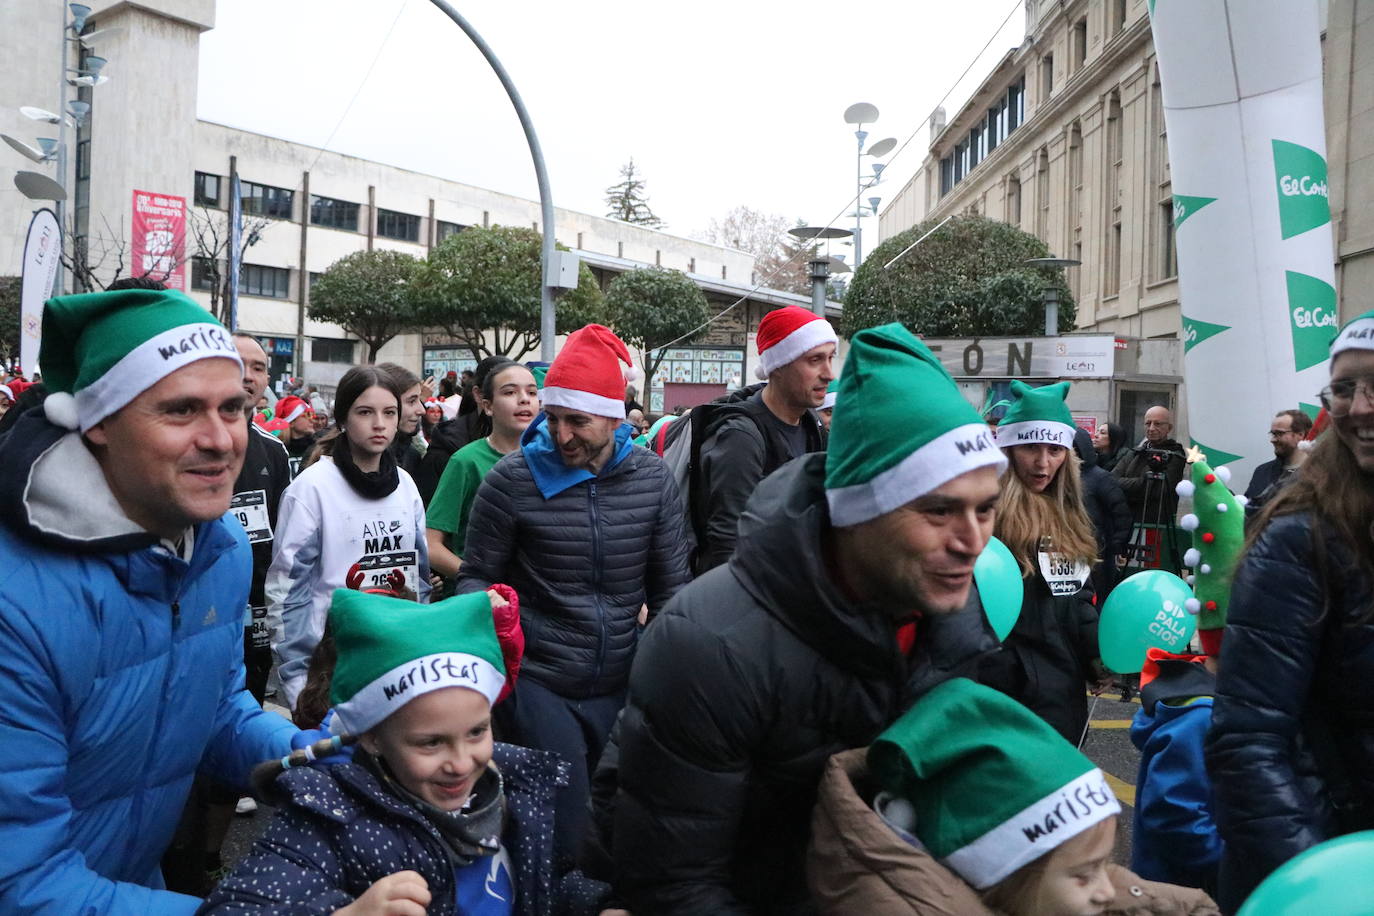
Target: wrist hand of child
point(403, 894)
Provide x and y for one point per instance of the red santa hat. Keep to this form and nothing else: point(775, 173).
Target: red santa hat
point(7, 392)
point(787, 333)
point(589, 374)
point(291, 407)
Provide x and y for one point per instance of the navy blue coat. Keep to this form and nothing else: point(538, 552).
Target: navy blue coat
point(1291, 748)
point(338, 831)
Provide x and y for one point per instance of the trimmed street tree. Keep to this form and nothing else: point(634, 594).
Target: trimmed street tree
point(652, 307)
point(966, 280)
point(626, 199)
point(10, 288)
point(481, 287)
point(368, 294)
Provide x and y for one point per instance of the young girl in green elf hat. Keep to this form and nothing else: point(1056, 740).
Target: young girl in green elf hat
point(1049, 655)
point(430, 815)
point(970, 805)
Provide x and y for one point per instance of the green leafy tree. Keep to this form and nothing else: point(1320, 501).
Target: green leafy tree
point(652, 307)
point(10, 288)
point(482, 287)
point(626, 200)
point(968, 279)
point(369, 294)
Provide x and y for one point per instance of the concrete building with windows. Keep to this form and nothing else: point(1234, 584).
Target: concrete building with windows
point(309, 207)
point(1065, 138)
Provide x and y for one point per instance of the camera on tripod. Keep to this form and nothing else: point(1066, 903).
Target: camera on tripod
point(1156, 462)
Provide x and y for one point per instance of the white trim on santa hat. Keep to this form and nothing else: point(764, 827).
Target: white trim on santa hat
point(573, 399)
point(812, 334)
point(301, 408)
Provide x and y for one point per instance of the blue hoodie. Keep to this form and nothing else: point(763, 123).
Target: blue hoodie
point(1175, 835)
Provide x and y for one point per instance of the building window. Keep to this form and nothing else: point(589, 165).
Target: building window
point(314, 278)
point(202, 274)
point(1111, 272)
point(1166, 258)
point(272, 282)
point(1168, 252)
point(394, 225)
point(1014, 200)
point(331, 350)
point(83, 160)
point(208, 189)
point(333, 214)
point(1016, 104)
point(1078, 45)
point(946, 175)
point(1116, 16)
point(1042, 195)
point(265, 200)
point(1046, 77)
point(444, 229)
point(1111, 267)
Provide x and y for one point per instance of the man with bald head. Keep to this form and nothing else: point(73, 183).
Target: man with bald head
point(1148, 476)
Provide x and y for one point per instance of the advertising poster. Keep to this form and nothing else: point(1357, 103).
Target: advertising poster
point(159, 238)
point(42, 254)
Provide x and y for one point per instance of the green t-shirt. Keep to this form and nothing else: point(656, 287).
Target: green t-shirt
point(448, 510)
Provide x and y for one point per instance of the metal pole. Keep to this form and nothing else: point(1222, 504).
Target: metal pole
point(820, 270)
point(546, 252)
point(858, 205)
point(1051, 299)
point(62, 239)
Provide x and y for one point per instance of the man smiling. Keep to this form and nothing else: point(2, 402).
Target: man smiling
point(122, 603)
point(587, 529)
point(848, 595)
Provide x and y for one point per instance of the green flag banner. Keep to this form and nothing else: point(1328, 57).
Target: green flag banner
point(1242, 93)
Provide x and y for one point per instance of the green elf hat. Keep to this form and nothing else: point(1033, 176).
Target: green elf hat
point(991, 786)
point(391, 651)
point(1036, 416)
point(831, 392)
point(905, 429)
point(99, 351)
point(1357, 334)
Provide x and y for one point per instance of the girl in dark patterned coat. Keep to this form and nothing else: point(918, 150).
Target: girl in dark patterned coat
point(430, 816)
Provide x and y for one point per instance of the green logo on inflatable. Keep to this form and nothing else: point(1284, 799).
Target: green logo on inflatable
point(1195, 332)
point(1300, 174)
point(1185, 206)
point(1312, 312)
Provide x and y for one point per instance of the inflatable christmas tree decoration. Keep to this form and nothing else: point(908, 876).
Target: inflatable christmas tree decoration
point(1217, 523)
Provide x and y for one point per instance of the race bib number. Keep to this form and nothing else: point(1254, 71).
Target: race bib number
point(382, 571)
point(260, 635)
point(1063, 575)
point(250, 508)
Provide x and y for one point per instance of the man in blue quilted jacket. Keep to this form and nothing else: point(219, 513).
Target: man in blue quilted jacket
point(121, 603)
point(588, 529)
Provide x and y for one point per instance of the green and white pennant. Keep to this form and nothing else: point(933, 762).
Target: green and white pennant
point(1195, 331)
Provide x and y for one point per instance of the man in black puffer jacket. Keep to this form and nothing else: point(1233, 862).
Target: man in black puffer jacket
point(847, 597)
point(588, 529)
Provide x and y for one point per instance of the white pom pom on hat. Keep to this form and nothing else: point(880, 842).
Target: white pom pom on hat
point(1192, 557)
point(1193, 605)
point(1224, 473)
point(60, 409)
point(1185, 488)
point(1306, 445)
point(1189, 522)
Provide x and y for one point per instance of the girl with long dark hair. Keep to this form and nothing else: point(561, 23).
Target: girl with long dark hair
point(1291, 748)
point(351, 519)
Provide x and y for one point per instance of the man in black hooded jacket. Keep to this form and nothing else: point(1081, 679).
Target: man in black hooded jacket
point(847, 597)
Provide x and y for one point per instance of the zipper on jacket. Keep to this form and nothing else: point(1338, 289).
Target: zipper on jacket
point(596, 588)
point(176, 616)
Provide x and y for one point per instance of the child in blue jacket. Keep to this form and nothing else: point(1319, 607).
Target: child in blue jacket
point(1175, 836)
point(430, 815)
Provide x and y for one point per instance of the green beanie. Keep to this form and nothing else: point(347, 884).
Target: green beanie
point(905, 429)
point(391, 651)
point(1036, 416)
point(992, 786)
point(1357, 334)
point(101, 350)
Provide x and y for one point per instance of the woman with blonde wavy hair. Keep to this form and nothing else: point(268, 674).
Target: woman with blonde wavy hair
point(1051, 653)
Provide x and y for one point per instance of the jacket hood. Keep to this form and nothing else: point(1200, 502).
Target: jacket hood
point(546, 466)
point(778, 559)
point(1177, 677)
point(59, 497)
point(1083, 447)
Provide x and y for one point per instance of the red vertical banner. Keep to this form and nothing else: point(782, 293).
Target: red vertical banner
point(159, 238)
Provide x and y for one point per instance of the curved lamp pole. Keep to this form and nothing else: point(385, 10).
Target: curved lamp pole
point(546, 252)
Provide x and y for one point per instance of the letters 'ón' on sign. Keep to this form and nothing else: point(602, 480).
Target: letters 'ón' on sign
point(1027, 357)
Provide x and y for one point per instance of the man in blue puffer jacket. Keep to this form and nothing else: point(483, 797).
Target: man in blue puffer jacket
point(122, 595)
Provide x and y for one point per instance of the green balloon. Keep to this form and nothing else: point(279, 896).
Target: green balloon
point(1145, 611)
point(998, 577)
point(1332, 879)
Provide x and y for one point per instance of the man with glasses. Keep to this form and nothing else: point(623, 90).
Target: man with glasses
point(1288, 428)
point(1148, 476)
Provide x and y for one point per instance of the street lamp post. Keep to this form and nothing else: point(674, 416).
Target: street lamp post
point(859, 114)
point(820, 266)
point(1049, 294)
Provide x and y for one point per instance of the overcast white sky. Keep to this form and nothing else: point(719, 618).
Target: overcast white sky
point(720, 103)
